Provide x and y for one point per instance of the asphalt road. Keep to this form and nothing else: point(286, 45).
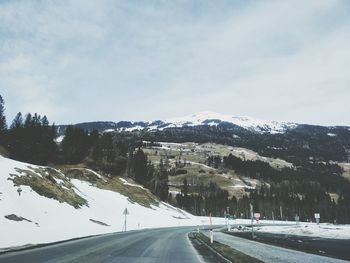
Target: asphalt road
point(338, 248)
point(153, 245)
point(270, 253)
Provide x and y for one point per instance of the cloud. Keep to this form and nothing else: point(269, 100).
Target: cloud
point(87, 60)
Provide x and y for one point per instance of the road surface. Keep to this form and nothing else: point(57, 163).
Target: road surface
point(338, 248)
point(269, 253)
point(153, 245)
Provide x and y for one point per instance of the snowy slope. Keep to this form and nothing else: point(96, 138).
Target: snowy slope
point(213, 118)
point(54, 221)
point(201, 118)
point(210, 119)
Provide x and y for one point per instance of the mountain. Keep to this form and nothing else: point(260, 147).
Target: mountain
point(214, 119)
point(286, 140)
point(198, 119)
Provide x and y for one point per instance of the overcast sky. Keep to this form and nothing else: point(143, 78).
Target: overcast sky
point(143, 60)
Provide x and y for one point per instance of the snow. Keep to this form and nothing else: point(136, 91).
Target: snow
point(331, 134)
point(211, 119)
point(59, 139)
point(109, 130)
point(323, 230)
point(311, 229)
point(244, 122)
point(91, 171)
point(54, 221)
point(125, 182)
point(134, 128)
point(243, 186)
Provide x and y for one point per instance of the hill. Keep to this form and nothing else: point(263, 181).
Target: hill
point(41, 204)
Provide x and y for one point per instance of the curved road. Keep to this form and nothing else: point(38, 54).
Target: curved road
point(152, 245)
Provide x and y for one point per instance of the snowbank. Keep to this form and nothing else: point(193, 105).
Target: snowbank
point(322, 230)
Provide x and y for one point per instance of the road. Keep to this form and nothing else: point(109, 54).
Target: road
point(153, 245)
point(338, 248)
point(270, 253)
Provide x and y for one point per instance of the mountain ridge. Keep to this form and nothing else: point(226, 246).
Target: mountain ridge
point(204, 118)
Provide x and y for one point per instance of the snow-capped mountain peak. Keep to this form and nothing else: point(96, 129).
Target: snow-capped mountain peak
point(213, 118)
point(204, 118)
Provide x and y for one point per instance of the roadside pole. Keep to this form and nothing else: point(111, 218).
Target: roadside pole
point(281, 213)
point(228, 218)
point(296, 218)
point(211, 230)
point(273, 218)
point(252, 219)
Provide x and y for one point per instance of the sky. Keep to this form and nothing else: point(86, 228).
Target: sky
point(81, 60)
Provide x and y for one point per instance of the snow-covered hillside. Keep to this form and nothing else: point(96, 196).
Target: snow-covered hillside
point(30, 218)
point(213, 118)
point(198, 119)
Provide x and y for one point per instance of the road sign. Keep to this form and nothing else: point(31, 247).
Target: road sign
point(125, 213)
point(211, 230)
point(317, 217)
point(296, 218)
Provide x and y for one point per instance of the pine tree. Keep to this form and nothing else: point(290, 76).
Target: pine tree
point(16, 138)
point(74, 145)
point(3, 125)
point(17, 121)
point(33, 140)
point(140, 167)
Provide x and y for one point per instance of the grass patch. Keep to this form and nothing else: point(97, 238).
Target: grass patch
point(56, 184)
point(49, 183)
point(228, 252)
point(134, 194)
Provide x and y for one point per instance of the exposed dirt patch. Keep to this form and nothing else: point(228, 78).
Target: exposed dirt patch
point(98, 222)
point(14, 217)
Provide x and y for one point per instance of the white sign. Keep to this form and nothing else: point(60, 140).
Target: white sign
point(257, 215)
point(317, 215)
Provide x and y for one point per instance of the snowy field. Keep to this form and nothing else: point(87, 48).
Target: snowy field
point(323, 230)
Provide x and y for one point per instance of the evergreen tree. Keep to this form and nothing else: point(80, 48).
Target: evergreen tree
point(75, 145)
point(33, 140)
point(3, 125)
point(140, 167)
